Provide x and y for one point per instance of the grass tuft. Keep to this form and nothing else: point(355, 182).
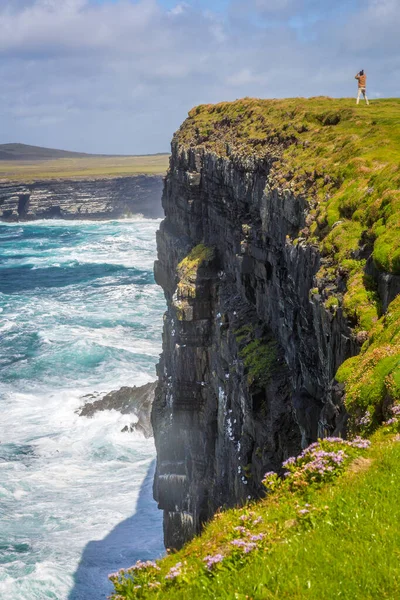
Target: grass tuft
point(373, 377)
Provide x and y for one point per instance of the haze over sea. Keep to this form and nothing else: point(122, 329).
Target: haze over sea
point(79, 313)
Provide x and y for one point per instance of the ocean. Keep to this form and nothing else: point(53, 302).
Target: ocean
point(79, 314)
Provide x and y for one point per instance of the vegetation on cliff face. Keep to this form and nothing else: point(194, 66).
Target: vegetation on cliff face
point(187, 277)
point(326, 530)
point(188, 267)
point(259, 355)
point(373, 377)
point(345, 161)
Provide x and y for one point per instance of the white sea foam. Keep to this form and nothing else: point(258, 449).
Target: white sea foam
point(75, 493)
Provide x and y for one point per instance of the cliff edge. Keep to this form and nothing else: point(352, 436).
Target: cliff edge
point(280, 261)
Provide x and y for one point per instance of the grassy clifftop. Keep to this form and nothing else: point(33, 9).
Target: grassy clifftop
point(328, 530)
point(345, 160)
point(345, 157)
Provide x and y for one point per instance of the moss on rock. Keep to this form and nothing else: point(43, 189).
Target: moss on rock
point(259, 355)
point(188, 268)
point(373, 377)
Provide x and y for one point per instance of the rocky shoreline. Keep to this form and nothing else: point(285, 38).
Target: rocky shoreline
point(94, 199)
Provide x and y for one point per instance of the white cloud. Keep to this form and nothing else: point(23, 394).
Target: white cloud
point(120, 77)
point(179, 9)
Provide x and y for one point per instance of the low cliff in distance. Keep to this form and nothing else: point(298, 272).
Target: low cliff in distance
point(42, 183)
point(280, 261)
point(106, 198)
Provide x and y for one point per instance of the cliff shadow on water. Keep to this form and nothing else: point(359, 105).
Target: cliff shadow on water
point(136, 538)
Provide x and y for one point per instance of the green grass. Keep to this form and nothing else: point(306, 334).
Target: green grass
point(83, 168)
point(332, 539)
point(373, 377)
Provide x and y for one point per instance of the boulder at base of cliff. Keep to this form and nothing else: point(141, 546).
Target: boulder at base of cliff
point(128, 400)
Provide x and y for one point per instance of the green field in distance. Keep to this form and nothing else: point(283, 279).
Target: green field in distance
point(83, 167)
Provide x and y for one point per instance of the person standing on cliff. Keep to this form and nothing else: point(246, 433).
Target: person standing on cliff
point(362, 85)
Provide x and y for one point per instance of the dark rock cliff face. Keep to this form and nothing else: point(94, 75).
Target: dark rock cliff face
point(249, 350)
point(84, 199)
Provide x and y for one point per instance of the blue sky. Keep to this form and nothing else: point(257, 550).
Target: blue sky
point(119, 76)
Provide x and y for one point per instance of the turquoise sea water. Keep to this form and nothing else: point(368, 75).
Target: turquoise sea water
point(79, 314)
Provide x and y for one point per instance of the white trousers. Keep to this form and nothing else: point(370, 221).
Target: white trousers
point(362, 91)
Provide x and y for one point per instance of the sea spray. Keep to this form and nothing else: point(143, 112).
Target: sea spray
point(79, 313)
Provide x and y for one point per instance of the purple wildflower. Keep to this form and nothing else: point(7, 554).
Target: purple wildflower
point(396, 410)
point(213, 560)
point(244, 545)
point(238, 543)
point(304, 511)
point(391, 421)
point(359, 442)
point(142, 565)
point(241, 529)
point(174, 571)
point(365, 420)
point(289, 461)
point(257, 521)
point(257, 538)
point(269, 474)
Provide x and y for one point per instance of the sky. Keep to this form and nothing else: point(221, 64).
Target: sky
point(119, 76)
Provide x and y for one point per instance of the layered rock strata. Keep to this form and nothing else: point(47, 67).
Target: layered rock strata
point(248, 352)
point(82, 199)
